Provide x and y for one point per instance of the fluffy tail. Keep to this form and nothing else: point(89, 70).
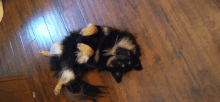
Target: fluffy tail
point(80, 90)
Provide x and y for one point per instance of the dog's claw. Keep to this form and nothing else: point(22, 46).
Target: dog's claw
point(56, 91)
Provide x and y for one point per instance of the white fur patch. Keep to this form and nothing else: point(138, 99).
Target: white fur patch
point(66, 76)
point(124, 43)
point(81, 57)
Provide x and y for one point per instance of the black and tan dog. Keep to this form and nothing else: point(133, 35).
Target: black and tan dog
point(98, 47)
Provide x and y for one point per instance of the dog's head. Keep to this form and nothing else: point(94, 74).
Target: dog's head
point(118, 53)
point(123, 61)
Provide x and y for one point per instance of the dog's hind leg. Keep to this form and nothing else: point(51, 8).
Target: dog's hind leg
point(66, 77)
point(89, 30)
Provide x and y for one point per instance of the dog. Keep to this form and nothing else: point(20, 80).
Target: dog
point(95, 47)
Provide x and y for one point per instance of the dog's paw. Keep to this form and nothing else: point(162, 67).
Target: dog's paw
point(86, 49)
point(90, 30)
point(56, 91)
point(45, 53)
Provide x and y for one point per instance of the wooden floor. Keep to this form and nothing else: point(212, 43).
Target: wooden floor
point(180, 41)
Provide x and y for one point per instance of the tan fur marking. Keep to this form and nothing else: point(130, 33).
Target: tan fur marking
point(1, 10)
point(81, 57)
point(84, 53)
point(105, 30)
point(97, 55)
point(109, 61)
point(86, 49)
point(89, 30)
point(58, 88)
point(124, 43)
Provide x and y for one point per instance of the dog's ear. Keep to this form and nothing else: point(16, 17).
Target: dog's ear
point(137, 65)
point(117, 76)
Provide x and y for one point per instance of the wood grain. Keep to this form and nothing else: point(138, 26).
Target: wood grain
point(15, 89)
point(179, 39)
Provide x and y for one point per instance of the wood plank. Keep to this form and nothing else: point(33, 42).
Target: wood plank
point(12, 78)
point(203, 58)
point(39, 26)
point(64, 4)
point(15, 89)
point(53, 20)
point(185, 49)
point(87, 13)
point(210, 42)
point(33, 76)
point(25, 13)
point(115, 14)
point(73, 18)
point(96, 7)
point(175, 56)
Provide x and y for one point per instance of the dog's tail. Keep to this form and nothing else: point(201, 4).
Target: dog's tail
point(80, 90)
